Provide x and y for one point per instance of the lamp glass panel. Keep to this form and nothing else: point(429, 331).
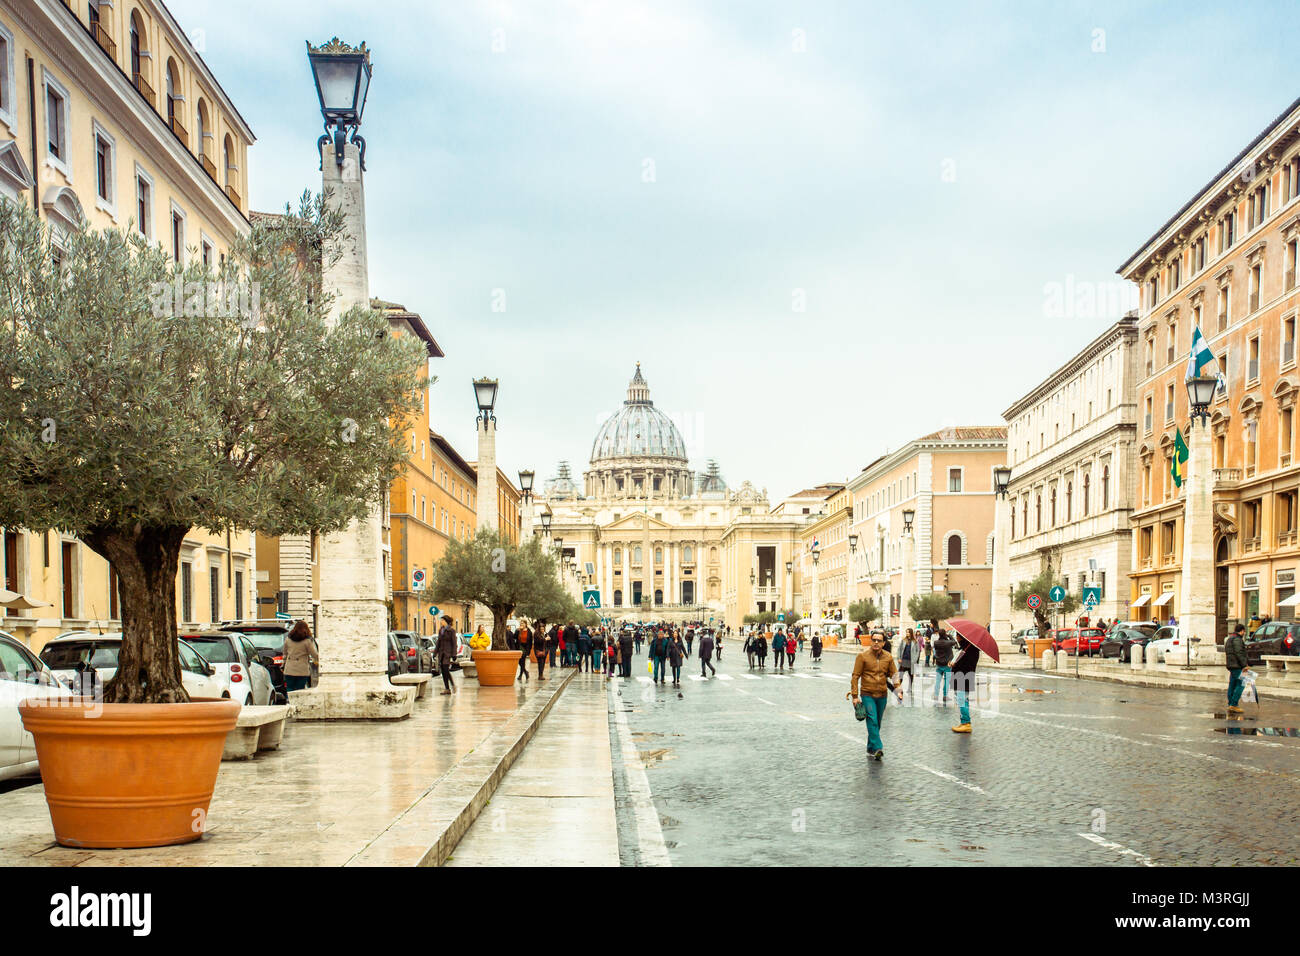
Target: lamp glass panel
point(485, 393)
point(338, 82)
point(363, 88)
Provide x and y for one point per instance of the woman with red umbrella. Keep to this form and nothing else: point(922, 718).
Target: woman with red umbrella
point(971, 639)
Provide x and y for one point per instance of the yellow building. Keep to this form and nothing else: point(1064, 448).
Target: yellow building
point(452, 512)
point(828, 580)
point(131, 131)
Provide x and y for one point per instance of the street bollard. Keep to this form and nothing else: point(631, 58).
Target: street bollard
point(1136, 658)
point(1062, 661)
point(1049, 660)
point(1153, 656)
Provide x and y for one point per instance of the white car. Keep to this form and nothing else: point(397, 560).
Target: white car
point(63, 654)
point(1167, 642)
point(236, 662)
point(22, 677)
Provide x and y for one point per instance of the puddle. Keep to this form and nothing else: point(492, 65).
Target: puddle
point(668, 822)
point(651, 757)
point(1258, 731)
point(1226, 716)
point(1033, 690)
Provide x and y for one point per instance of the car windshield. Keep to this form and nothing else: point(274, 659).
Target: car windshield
point(65, 655)
point(267, 640)
point(217, 650)
point(408, 640)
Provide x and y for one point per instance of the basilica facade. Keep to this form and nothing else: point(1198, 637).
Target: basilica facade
point(661, 541)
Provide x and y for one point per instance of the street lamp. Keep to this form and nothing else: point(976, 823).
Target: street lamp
point(342, 75)
point(485, 393)
point(1001, 479)
point(816, 614)
point(909, 515)
point(999, 610)
point(526, 484)
point(546, 522)
point(853, 543)
point(1200, 392)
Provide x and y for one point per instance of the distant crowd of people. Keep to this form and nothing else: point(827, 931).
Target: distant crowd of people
point(605, 650)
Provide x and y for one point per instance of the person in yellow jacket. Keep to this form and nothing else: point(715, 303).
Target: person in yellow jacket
point(870, 683)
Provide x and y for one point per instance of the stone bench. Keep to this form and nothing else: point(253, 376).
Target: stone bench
point(257, 729)
point(419, 681)
point(1283, 665)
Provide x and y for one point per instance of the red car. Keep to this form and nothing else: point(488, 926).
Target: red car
point(1082, 640)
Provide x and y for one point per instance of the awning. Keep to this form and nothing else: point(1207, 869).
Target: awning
point(1163, 599)
point(1292, 601)
point(1141, 601)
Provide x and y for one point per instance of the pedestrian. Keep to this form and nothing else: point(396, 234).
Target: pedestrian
point(612, 658)
point(690, 639)
point(777, 642)
point(637, 639)
point(718, 643)
point(300, 653)
point(597, 649)
point(963, 678)
point(584, 651)
point(553, 642)
point(525, 642)
point(659, 656)
point(676, 654)
point(625, 642)
point(817, 648)
point(541, 647)
point(750, 650)
point(943, 648)
point(1235, 650)
point(760, 650)
point(869, 685)
point(706, 654)
point(791, 645)
point(907, 660)
point(448, 640)
point(926, 647)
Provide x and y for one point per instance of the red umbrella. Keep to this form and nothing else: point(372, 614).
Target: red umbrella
point(977, 636)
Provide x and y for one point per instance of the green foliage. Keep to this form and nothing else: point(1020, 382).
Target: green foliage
point(489, 569)
point(934, 607)
point(863, 611)
point(1041, 585)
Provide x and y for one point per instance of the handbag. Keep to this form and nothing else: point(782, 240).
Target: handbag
point(860, 709)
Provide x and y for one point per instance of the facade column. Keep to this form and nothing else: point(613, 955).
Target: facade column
point(1196, 614)
point(1000, 610)
point(627, 573)
point(353, 623)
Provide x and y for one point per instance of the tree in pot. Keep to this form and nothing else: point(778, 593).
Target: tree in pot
point(142, 399)
point(864, 611)
point(933, 607)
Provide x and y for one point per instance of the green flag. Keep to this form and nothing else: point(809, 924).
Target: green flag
point(1180, 456)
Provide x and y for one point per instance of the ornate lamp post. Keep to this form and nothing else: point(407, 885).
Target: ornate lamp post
point(789, 590)
point(999, 594)
point(851, 576)
point(816, 601)
point(1197, 617)
point(753, 590)
point(526, 494)
point(487, 517)
point(909, 515)
point(353, 617)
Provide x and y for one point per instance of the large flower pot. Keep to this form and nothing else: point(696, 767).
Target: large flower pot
point(496, 668)
point(128, 775)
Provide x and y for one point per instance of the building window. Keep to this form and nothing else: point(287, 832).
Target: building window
point(1252, 361)
point(206, 246)
point(69, 579)
point(144, 203)
point(56, 124)
point(1256, 282)
point(688, 555)
point(618, 555)
point(187, 591)
point(104, 167)
point(659, 556)
point(954, 549)
point(1087, 481)
point(178, 234)
point(6, 74)
point(1052, 507)
point(239, 595)
point(1227, 231)
point(954, 480)
point(1169, 403)
point(1069, 501)
point(214, 592)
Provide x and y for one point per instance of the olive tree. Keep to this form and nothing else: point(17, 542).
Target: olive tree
point(1042, 586)
point(933, 607)
point(863, 611)
point(141, 399)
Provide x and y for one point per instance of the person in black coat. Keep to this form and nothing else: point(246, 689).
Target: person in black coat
point(963, 679)
point(706, 654)
point(676, 654)
point(760, 649)
point(625, 643)
point(448, 641)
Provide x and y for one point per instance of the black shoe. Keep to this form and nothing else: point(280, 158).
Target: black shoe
point(879, 755)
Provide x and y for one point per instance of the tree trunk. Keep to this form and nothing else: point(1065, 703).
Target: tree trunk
point(146, 561)
point(499, 628)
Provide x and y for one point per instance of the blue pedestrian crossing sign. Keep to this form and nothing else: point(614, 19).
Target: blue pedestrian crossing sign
point(1091, 596)
point(780, 615)
point(591, 599)
point(1056, 595)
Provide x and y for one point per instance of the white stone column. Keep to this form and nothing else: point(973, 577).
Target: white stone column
point(1196, 599)
point(904, 616)
point(1000, 612)
point(627, 574)
point(353, 616)
point(486, 516)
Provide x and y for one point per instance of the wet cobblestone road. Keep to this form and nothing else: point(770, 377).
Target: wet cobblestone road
point(757, 768)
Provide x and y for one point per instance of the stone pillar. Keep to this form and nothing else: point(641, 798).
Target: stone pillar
point(486, 516)
point(904, 616)
point(1048, 659)
point(1196, 598)
point(1000, 612)
point(353, 616)
point(1137, 658)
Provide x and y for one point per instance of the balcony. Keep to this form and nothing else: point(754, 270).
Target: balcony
point(1146, 562)
point(209, 167)
point(104, 40)
point(1250, 544)
point(1168, 558)
point(145, 89)
point(1225, 476)
point(1286, 539)
point(180, 132)
point(234, 197)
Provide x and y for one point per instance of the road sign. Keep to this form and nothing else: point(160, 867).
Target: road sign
point(1034, 602)
point(591, 599)
point(417, 577)
point(433, 612)
point(282, 616)
point(1091, 596)
point(780, 616)
point(1056, 595)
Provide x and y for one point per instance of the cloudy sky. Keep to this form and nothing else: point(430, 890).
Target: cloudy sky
point(823, 228)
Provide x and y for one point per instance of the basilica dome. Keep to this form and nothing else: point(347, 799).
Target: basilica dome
point(638, 429)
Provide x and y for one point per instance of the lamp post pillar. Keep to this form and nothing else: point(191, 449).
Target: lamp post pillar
point(1196, 612)
point(904, 615)
point(485, 501)
point(353, 623)
point(1000, 598)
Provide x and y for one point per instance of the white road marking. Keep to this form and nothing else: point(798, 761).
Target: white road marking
point(643, 680)
point(725, 677)
point(696, 678)
point(755, 696)
point(800, 716)
point(1142, 858)
point(649, 834)
point(751, 677)
point(778, 676)
point(805, 676)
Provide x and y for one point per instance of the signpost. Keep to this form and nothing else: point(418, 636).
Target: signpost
point(283, 616)
point(591, 600)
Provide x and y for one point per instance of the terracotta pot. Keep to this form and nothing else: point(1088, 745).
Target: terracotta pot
point(128, 775)
point(496, 668)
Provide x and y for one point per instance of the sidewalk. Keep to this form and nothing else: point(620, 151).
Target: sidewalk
point(337, 793)
point(556, 806)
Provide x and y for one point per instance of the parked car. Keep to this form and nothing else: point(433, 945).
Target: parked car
point(269, 634)
point(396, 656)
point(22, 677)
point(1019, 637)
point(270, 652)
point(417, 659)
point(1168, 639)
point(237, 662)
point(1121, 641)
point(67, 656)
point(1149, 626)
point(1275, 637)
point(1078, 640)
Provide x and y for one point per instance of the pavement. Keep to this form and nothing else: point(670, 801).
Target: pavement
point(336, 793)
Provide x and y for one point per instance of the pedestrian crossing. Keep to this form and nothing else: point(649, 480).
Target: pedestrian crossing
point(643, 679)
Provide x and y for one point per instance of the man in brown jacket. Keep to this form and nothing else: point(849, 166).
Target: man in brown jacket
point(872, 671)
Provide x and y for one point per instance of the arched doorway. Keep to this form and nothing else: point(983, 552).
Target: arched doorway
point(1222, 554)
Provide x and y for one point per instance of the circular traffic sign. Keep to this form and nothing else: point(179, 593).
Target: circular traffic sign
point(417, 576)
point(1034, 602)
point(1057, 594)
